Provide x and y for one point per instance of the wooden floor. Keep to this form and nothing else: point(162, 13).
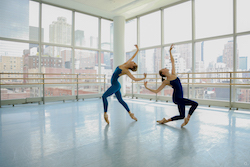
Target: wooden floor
point(75, 134)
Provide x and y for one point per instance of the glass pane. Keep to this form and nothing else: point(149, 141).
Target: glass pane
point(214, 55)
point(150, 63)
point(129, 55)
point(56, 60)
point(107, 28)
point(57, 24)
point(183, 58)
point(16, 61)
point(150, 29)
point(178, 23)
point(212, 93)
point(243, 64)
point(86, 62)
point(128, 81)
point(243, 61)
point(18, 57)
point(243, 94)
point(19, 19)
point(86, 30)
point(243, 13)
point(213, 17)
point(130, 34)
point(107, 66)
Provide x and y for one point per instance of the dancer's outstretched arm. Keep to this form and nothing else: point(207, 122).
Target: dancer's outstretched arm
point(135, 79)
point(164, 83)
point(133, 55)
point(172, 59)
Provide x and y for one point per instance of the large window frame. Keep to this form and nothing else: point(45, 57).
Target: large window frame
point(194, 40)
point(41, 42)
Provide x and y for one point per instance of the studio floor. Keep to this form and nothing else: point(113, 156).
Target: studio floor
point(75, 134)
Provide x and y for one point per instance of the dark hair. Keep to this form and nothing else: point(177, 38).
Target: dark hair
point(134, 68)
point(162, 79)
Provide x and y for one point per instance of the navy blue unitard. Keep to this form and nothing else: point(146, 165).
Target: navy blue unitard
point(115, 88)
point(180, 101)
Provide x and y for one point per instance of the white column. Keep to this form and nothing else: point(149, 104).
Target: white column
point(119, 46)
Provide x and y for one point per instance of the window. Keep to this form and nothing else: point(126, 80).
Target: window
point(107, 65)
point(19, 19)
point(243, 13)
point(57, 24)
point(130, 34)
point(86, 30)
point(86, 62)
point(107, 28)
point(214, 55)
point(150, 29)
point(149, 61)
point(213, 17)
point(183, 58)
point(59, 54)
point(18, 51)
point(178, 23)
point(243, 57)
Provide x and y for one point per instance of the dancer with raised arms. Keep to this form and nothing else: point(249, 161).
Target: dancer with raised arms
point(173, 81)
point(115, 85)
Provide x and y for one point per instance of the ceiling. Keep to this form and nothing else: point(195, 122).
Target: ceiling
point(111, 8)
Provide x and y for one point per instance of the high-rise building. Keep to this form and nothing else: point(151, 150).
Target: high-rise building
point(243, 63)
point(220, 59)
point(227, 57)
point(157, 59)
point(60, 31)
point(34, 36)
point(185, 51)
point(79, 38)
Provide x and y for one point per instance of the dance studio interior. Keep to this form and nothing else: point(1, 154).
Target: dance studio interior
point(92, 83)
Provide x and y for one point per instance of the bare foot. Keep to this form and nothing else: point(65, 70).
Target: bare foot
point(106, 118)
point(132, 116)
point(163, 121)
point(186, 120)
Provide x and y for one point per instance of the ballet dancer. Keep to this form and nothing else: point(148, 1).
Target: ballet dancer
point(115, 85)
point(173, 81)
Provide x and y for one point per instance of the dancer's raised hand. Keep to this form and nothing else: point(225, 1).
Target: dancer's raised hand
point(171, 47)
point(145, 75)
point(145, 83)
point(136, 46)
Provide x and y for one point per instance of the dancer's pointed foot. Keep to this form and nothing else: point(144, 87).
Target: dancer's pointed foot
point(163, 121)
point(186, 120)
point(133, 116)
point(106, 118)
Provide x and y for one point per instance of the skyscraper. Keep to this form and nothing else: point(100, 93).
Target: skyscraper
point(60, 31)
point(79, 38)
point(227, 57)
point(243, 63)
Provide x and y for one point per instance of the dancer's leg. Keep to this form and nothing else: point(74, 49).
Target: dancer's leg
point(191, 110)
point(181, 106)
point(108, 93)
point(193, 104)
point(119, 97)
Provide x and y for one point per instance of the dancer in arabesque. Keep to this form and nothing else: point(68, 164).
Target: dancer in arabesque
point(173, 81)
point(115, 85)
